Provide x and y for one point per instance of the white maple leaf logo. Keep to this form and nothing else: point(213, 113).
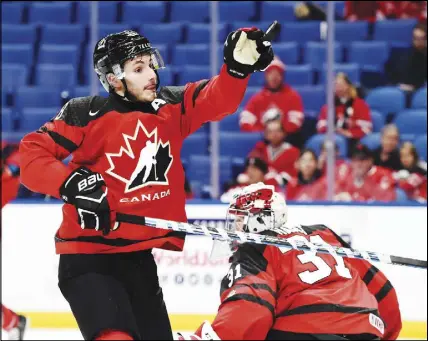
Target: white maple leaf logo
point(151, 164)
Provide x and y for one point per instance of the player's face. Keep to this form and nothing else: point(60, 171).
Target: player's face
point(406, 157)
point(341, 88)
point(307, 165)
point(390, 140)
point(255, 175)
point(274, 133)
point(141, 78)
point(273, 79)
point(419, 39)
point(360, 167)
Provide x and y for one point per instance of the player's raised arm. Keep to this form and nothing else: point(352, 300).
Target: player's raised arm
point(246, 51)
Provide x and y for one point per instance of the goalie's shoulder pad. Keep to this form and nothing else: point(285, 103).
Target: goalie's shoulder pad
point(80, 111)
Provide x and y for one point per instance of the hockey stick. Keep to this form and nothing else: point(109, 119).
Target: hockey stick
point(221, 234)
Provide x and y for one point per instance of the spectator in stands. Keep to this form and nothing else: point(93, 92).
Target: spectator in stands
point(412, 177)
point(352, 119)
point(362, 10)
point(409, 69)
point(300, 188)
point(403, 10)
point(306, 10)
point(256, 170)
point(362, 180)
point(322, 159)
point(275, 95)
point(279, 155)
point(387, 155)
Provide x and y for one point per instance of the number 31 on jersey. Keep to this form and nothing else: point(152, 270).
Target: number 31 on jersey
point(323, 269)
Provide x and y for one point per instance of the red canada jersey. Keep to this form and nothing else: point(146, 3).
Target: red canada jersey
point(136, 147)
point(268, 292)
point(354, 117)
point(281, 159)
point(377, 185)
point(415, 186)
point(287, 101)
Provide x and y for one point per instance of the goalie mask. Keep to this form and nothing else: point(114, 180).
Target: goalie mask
point(113, 51)
point(255, 209)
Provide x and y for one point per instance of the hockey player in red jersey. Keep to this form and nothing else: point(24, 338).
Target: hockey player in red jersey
point(274, 294)
point(14, 324)
point(126, 159)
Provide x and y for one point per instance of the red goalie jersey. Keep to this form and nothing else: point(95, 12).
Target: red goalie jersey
point(268, 294)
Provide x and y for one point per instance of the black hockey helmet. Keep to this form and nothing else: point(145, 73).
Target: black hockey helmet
point(112, 51)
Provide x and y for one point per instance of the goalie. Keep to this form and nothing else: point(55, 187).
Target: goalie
point(272, 294)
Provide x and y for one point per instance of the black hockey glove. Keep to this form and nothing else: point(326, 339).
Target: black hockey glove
point(248, 50)
point(87, 191)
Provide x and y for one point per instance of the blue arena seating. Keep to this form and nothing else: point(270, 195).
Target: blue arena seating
point(369, 54)
point(421, 146)
point(17, 54)
point(386, 100)
point(394, 31)
point(166, 33)
point(63, 76)
point(315, 143)
point(199, 168)
point(411, 121)
point(11, 13)
point(288, 52)
point(33, 118)
point(73, 34)
point(378, 120)
point(301, 31)
point(200, 33)
point(315, 53)
point(192, 73)
point(277, 10)
point(13, 76)
point(137, 12)
point(231, 122)
point(6, 119)
point(18, 34)
point(107, 12)
point(190, 11)
point(195, 144)
point(352, 70)
point(237, 144)
point(419, 99)
point(59, 54)
point(236, 10)
point(299, 75)
point(313, 97)
point(346, 32)
point(50, 12)
point(29, 97)
point(372, 141)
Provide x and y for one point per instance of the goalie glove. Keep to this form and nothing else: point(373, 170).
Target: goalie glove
point(87, 191)
point(247, 50)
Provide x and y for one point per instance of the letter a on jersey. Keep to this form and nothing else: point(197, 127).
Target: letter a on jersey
point(142, 160)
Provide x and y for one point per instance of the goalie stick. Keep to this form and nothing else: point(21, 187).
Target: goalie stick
point(283, 243)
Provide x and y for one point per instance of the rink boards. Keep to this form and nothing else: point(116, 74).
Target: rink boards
point(190, 279)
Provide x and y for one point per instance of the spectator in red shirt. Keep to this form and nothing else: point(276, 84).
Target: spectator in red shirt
point(412, 177)
point(362, 10)
point(387, 155)
point(275, 95)
point(403, 10)
point(278, 154)
point(308, 173)
point(256, 170)
point(353, 119)
point(362, 181)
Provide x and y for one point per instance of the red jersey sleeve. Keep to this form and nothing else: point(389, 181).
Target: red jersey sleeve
point(248, 296)
point(249, 118)
point(322, 120)
point(382, 289)
point(211, 100)
point(362, 120)
point(293, 120)
point(42, 152)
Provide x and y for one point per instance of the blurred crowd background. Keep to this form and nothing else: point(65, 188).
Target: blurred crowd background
point(278, 134)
